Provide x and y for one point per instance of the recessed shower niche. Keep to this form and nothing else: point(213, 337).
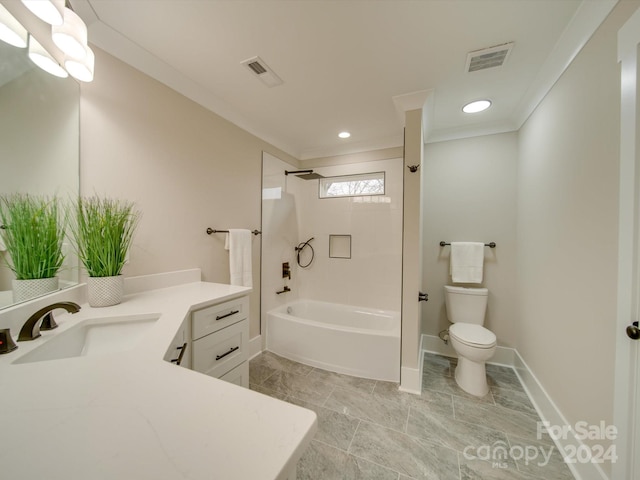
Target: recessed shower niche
point(339, 246)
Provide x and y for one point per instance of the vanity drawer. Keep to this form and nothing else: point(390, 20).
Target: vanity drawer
point(238, 375)
point(212, 319)
point(219, 352)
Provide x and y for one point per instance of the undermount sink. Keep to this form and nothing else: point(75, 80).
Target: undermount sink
point(93, 336)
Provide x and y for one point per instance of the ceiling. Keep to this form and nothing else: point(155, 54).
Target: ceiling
point(348, 64)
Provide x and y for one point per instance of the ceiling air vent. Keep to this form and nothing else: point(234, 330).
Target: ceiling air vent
point(261, 70)
point(491, 57)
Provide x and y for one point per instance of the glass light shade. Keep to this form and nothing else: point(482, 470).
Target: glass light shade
point(11, 30)
point(50, 11)
point(81, 68)
point(477, 106)
point(44, 60)
point(71, 36)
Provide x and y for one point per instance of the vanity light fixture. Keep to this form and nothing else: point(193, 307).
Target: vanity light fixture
point(44, 60)
point(81, 68)
point(476, 106)
point(344, 134)
point(71, 36)
point(50, 11)
point(11, 30)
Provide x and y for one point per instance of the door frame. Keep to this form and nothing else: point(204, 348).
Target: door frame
point(627, 368)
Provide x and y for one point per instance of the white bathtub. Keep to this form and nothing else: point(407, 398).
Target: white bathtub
point(356, 341)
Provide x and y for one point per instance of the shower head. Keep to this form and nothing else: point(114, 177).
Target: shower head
point(310, 176)
point(304, 174)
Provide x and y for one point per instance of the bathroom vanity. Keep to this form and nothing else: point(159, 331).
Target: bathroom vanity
point(214, 341)
point(132, 413)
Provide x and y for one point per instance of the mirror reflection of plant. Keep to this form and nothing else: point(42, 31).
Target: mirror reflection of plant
point(33, 234)
point(103, 232)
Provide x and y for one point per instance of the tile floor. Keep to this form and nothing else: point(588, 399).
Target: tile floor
point(368, 429)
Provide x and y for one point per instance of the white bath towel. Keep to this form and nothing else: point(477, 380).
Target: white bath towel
point(467, 260)
point(238, 243)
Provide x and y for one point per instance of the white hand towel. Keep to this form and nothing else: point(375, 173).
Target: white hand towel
point(467, 259)
point(238, 242)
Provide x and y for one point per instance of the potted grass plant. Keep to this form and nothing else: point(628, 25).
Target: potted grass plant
point(102, 229)
point(33, 230)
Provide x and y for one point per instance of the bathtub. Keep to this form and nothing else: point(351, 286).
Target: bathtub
point(357, 341)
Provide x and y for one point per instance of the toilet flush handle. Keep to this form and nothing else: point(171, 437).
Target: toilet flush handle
point(423, 297)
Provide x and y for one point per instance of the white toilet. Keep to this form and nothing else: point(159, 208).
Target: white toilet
point(473, 343)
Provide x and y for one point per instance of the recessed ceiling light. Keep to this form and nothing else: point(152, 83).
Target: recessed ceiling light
point(344, 134)
point(477, 106)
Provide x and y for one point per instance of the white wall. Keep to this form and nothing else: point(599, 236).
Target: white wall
point(469, 194)
point(185, 167)
point(567, 230)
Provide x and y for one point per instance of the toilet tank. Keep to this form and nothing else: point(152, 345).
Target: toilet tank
point(464, 304)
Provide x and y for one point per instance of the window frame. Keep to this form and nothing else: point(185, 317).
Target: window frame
point(355, 176)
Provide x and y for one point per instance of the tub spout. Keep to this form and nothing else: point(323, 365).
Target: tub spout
point(284, 290)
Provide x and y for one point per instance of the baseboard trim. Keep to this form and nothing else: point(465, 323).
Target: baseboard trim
point(549, 412)
point(543, 403)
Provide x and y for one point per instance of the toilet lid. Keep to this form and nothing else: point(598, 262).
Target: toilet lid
point(472, 334)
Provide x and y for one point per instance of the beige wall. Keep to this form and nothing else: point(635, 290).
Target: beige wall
point(187, 169)
point(567, 230)
point(469, 194)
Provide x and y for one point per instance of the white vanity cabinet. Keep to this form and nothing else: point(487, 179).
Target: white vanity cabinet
point(179, 352)
point(220, 341)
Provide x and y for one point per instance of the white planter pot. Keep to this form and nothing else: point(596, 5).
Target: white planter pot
point(24, 290)
point(105, 291)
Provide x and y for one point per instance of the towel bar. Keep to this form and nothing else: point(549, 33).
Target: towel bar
point(211, 230)
point(490, 245)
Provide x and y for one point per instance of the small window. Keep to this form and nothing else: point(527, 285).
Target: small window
point(352, 185)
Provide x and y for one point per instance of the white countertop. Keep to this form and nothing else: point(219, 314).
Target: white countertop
point(133, 416)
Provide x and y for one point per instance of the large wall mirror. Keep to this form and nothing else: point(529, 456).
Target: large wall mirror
point(39, 143)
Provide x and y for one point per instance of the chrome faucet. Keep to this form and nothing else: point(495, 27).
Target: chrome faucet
point(31, 328)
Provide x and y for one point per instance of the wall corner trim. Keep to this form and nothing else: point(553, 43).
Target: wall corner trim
point(255, 346)
point(410, 380)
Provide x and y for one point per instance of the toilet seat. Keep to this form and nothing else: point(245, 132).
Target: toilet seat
point(473, 335)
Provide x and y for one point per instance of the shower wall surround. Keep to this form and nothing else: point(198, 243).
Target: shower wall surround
point(293, 213)
point(372, 277)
